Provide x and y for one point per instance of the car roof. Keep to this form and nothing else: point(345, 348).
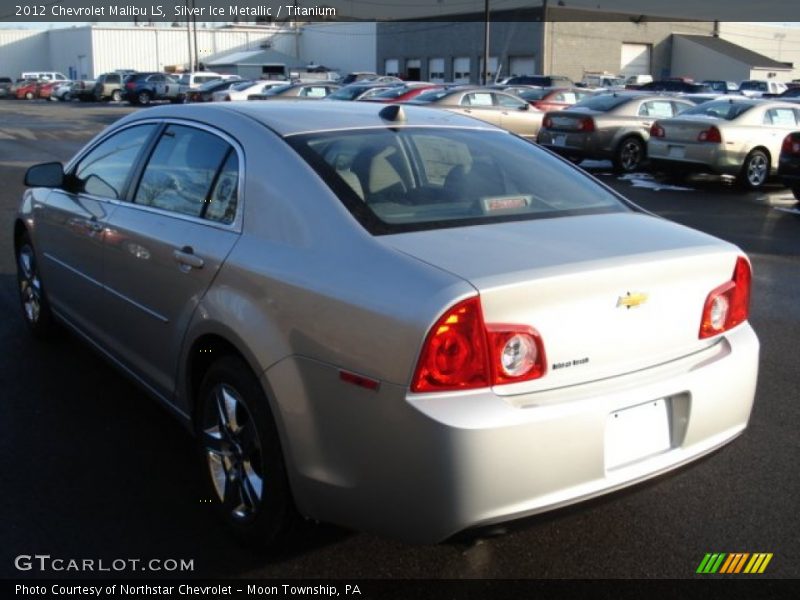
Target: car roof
point(292, 117)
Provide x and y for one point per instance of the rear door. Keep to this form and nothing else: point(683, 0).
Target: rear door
point(164, 248)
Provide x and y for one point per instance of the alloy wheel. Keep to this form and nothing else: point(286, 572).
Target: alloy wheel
point(631, 154)
point(757, 168)
point(233, 453)
point(30, 284)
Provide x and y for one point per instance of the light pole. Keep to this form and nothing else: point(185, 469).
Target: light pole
point(485, 74)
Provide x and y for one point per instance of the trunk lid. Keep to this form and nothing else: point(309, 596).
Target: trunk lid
point(570, 119)
point(686, 129)
point(609, 294)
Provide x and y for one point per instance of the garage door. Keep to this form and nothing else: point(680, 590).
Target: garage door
point(492, 68)
point(461, 69)
point(521, 65)
point(413, 69)
point(436, 70)
point(392, 67)
point(635, 59)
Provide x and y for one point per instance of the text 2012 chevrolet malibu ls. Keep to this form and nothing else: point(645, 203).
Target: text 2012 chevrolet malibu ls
point(396, 319)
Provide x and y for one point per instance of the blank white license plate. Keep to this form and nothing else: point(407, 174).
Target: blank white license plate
point(559, 140)
point(636, 433)
point(677, 151)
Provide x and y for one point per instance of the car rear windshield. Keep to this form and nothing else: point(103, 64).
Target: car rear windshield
point(408, 179)
point(719, 109)
point(602, 103)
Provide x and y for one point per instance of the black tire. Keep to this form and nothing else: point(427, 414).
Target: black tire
point(116, 96)
point(796, 192)
point(67, 97)
point(240, 455)
point(630, 154)
point(143, 98)
point(33, 299)
point(755, 170)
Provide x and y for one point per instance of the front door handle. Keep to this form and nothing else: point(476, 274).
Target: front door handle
point(187, 258)
point(94, 225)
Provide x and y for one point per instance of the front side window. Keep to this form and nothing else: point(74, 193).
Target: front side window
point(408, 179)
point(104, 171)
point(509, 102)
point(719, 109)
point(191, 172)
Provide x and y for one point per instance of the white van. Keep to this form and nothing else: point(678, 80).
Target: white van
point(48, 75)
point(639, 79)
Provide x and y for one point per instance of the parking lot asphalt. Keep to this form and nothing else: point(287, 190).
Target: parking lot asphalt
point(93, 468)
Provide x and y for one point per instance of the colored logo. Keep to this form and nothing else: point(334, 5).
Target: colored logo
point(631, 300)
point(734, 563)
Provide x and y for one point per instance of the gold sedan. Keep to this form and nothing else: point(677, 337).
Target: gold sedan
point(493, 106)
point(736, 136)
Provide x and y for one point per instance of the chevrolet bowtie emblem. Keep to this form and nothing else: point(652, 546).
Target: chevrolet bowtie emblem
point(631, 300)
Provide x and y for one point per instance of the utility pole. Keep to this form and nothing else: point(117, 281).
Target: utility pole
point(188, 34)
point(485, 74)
point(196, 65)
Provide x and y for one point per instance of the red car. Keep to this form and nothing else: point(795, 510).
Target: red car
point(401, 93)
point(36, 89)
point(548, 99)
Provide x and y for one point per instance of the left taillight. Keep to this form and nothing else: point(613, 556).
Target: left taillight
point(461, 352)
point(729, 304)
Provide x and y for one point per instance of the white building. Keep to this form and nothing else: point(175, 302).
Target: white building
point(85, 52)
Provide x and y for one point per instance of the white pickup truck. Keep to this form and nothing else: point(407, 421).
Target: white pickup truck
point(756, 88)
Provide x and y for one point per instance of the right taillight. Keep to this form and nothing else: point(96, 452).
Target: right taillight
point(461, 352)
point(586, 124)
point(657, 131)
point(729, 304)
point(790, 145)
point(710, 135)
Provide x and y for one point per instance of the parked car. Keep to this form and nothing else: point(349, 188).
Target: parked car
point(722, 87)
point(600, 81)
point(680, 86)
point(735, 136)
point(109, 86)
point(411, 330)
point(63, 91)
point(540, 80)
point(756, 88)
point(790, 92)
point(308, 91)
point(608, 126)
point(554, 98)
point(44, 75)
point(359, 90)
point(493, 106)
point(789, 162)
point(359, 76)
point(402, 93)
point(205, 93)
point(5, 86)
point(635, 81)
point(32, 89)
point(83, 90)
point(195, 79)
point(242, 89)
point(143, 88)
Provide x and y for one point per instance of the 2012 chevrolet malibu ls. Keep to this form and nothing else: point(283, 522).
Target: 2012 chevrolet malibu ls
point(396, 319)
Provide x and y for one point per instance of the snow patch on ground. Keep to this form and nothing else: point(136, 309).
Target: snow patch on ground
point(644, 180)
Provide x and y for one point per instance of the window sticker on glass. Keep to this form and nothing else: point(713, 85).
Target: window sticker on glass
point(480, 99)
point(500, 204)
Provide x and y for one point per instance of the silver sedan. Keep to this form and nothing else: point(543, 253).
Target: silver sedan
point(391, 318)
point(734, 136)
point(608, 126)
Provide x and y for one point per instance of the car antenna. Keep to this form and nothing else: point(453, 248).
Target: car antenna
point(393, 112)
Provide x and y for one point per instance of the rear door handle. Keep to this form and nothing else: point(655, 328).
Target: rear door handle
point(187, 258)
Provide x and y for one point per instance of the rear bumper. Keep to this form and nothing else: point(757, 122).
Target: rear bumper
point(423, 467)
point(575, 144)
point(690, 156)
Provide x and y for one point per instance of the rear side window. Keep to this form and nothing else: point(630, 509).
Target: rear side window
point(191, 172)
point(104, 171)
